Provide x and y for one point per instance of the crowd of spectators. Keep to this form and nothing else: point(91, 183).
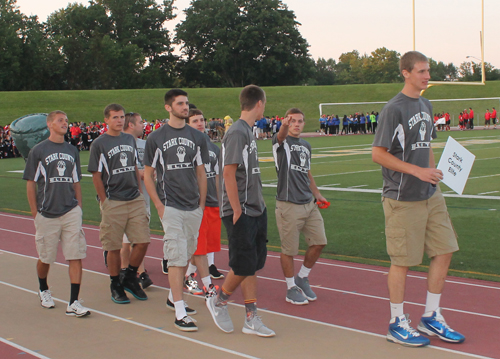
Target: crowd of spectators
point(7, 146)
point(357, 123)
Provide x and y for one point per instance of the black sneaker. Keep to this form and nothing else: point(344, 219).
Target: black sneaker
point(118, 294)
point(105, 255)
point(186, 324)
point(122, 274)
point(189, 311)
point(131, 284)
point(164, 266)
point(214, 272)
point(145, 280)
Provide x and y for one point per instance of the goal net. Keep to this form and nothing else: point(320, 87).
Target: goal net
point(452, 106)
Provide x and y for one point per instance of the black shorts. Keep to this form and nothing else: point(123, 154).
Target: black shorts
point(247, 243)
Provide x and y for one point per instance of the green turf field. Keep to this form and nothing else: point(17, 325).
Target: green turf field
point(88, 105)
point(355, 221)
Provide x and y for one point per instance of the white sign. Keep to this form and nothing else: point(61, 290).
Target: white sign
point(456, 163)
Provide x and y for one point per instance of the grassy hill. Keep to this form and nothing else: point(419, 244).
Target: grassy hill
point(88, 105)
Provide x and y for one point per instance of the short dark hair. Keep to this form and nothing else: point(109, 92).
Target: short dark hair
point(130, 117)
point(172, 94)
point(113, 107)
point(409, 60)
point(193, 112)
point(295, 111)
point(250, 96)
point(52, 115)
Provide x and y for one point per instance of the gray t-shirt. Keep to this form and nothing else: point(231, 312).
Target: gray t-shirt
point(293, 161)
point(406, 128)
point(116, 157)
point(175, 153)
point(239, 147)
point(141, 145)
point(55, 167)
point(212, 170)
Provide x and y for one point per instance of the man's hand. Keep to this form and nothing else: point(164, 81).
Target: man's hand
point(160, 209)
point(286, 121)
point(431, 175)
point(236, 214)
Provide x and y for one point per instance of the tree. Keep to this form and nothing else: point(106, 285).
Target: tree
point(442, 72)
point(350, 68)
point(382, 66)
point(324, 72)
point(472, 71)
point(234, 43)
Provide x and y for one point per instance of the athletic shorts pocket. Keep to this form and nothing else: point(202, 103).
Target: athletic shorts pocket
point(40, 247)
point(396, 241)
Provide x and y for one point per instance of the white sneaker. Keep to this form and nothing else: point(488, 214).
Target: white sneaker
point(46, 299)
point(77, 309)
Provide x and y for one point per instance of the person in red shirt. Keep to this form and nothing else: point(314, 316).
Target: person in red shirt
point(75, 134)
point(461, 121)
point(487, 117)
point(493, 116)
point(465, 115)
point(471, 118)
point(448, 121)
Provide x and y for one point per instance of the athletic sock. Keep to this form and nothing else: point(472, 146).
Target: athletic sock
point(223, 297)
point(43, 284)
point(180, 309)
point(206, 281)
point(251, 308)
point(432, 303)
point(210, 257)
point(304, 272)
point(75, 290)
point(290, 282)
point(132, 270)
point(191, 269)
point(397, 309)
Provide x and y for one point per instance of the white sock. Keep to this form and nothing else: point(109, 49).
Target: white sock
point(191, 269)
point(211, 257)
point(304, 272)
point(397, 309)
point(432, 303)
point(180, 309)
point(206, 281)
point(290, 282)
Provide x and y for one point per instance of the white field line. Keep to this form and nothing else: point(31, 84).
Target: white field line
point(488, 192)
point(361, 185)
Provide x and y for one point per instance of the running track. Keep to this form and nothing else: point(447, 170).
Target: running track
point(349, 295)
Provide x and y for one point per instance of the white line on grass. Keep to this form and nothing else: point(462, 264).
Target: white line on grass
point(488, 192)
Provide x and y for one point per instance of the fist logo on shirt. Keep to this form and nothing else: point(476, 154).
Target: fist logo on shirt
point(61, 168)
point(303, 159)
point(422, 131)
point(181, 152)
point(123, 159)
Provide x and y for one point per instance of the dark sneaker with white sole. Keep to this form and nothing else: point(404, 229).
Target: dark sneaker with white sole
point(186, 324)
point(189, 311)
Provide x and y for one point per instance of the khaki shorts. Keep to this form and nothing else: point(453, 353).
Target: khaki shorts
point(123, 217)
point(292, 219)
point(67, 229)
point(181, 235)
point(414, 227)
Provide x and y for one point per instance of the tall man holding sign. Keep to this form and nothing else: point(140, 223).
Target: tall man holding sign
point(416, 217)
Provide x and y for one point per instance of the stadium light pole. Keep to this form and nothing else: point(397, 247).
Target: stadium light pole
point(413, 25)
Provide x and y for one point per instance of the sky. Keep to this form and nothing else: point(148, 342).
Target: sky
point(446, 30)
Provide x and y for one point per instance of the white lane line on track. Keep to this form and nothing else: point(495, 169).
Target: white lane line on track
point(145, 326)
point(321, 287)
point(24, 349)
point(238, 305)
point(269, 256)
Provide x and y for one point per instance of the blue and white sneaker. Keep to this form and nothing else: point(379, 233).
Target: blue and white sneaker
point(435, 325)
point(400, 332)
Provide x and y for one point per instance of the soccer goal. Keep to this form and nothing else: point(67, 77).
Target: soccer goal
point(452, 106)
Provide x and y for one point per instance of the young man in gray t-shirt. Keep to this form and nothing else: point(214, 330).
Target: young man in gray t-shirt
point(177, 152)
point(56, 205)
point(244, 215)
point(416, 217)
point(296, 208)
point(113, 164)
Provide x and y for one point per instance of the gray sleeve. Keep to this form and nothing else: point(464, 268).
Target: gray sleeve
point(233, 153)
point(387, 124)
point(78, 166)
point(205, 156)
point(95, 152)
point(149, 151)
point(31, 166)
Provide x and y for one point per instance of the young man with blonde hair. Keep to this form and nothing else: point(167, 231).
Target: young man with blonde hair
point(53, 166)
point(416, 217)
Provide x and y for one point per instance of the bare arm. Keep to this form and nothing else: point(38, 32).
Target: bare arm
point(315, 189)
point(31, 193)
point(138, 174)
point(78, 193)
point(99, 186)
point(389, 161)
point(149, 182)
point(201, 176)
point(229, 175)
